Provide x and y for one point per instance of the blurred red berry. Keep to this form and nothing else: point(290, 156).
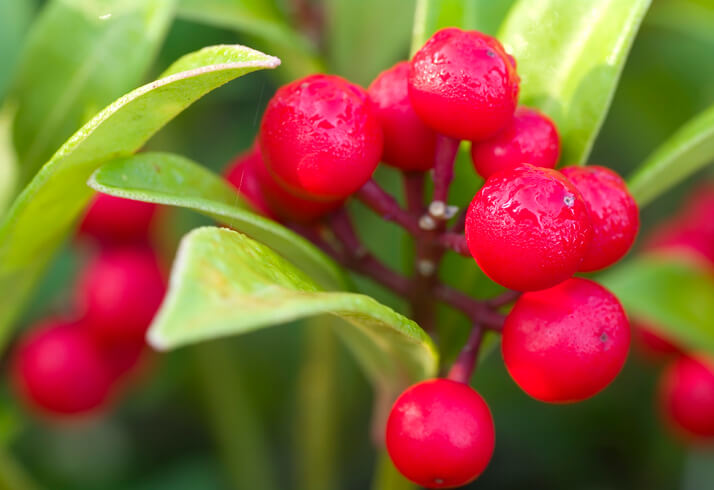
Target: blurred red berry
point(679, 238)
point(566, 343)
point(653, 343)
point(528, 228)
point(463, 84)
point(321, 138)
point(530, 137)
point(112, 219)
point(613, 212)
point(119, 291)
point(408, 143)
point(440, 434)
point(687, 397)
point(59, 370)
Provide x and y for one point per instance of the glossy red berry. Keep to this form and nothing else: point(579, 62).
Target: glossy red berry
point(566, 343)
point(440, 434)
point(530, 137)
point(528, 228)
point(463, 84)
point(613, 214)
point(321, 138)
point(687, 396)
point(58, 370)
point(119, 292)
point(242, 173)
point(408, 143)
point(112, 219)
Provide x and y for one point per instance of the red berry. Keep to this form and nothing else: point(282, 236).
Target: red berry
point(528, 228)
point(566, 343)
point(321, 138)
point(58, 370)
point(242, 173)
point(119, 291)
point(687, 396)
point(530, 137)
point(613, 214)
point(463, 84)
point(653, 343)
point(112, 219)
point(408, 143)
point(699, 212)
point(679, 238)
point(440, 434)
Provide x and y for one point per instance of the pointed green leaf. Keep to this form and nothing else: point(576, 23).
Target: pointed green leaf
point(685, 152)
point(8, 159)
point(670, 293)
point(570, 54)
point(224, 283)
point(176, 181)
point(79, 56)
point(42, 215)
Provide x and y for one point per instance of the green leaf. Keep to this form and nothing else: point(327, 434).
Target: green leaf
point(80, 55)
point(432, 15)
point(223, 283)
point(170, 179)
point(14, 19)
point(670, 293)
point(265, 26)
point(43, 214)
point(570, 54)
point(366, 37)
point(685, 152)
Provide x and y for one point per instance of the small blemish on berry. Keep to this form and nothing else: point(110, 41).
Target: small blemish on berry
point(490, 53)
point(569, 200)
point(604, 338)
point(438, 481)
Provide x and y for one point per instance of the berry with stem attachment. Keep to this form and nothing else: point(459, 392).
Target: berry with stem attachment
point(566, 343)
point(440, 434)
point(528, 228)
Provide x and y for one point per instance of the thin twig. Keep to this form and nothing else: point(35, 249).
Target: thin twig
point(456, 242)
point(463, 367)
point(382, 203)
point(446, 150)
point(503, 299)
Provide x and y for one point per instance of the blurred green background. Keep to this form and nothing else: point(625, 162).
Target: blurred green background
point(160, 437)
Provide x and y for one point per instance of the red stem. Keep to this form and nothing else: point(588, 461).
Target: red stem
point(456, 242)
point(463, 367)
point(446, 150)
point(382, 203)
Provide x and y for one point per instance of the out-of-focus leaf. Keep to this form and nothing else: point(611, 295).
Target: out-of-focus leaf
point(387, 477)
point(685, 152)
point(80, 55)
point(171, 179)
point(687, 17)
point(264, 24)
point(8, 159)
point(237, 426)
point(12, 475)
point(43, 214)
point(570, 55)
point(365, 37)
point(14, 19)
point(224, 283)
point(670, 293)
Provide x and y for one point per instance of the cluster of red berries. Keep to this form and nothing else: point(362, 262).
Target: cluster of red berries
point(530, 228)
point(687, 385)
point(75, 364)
